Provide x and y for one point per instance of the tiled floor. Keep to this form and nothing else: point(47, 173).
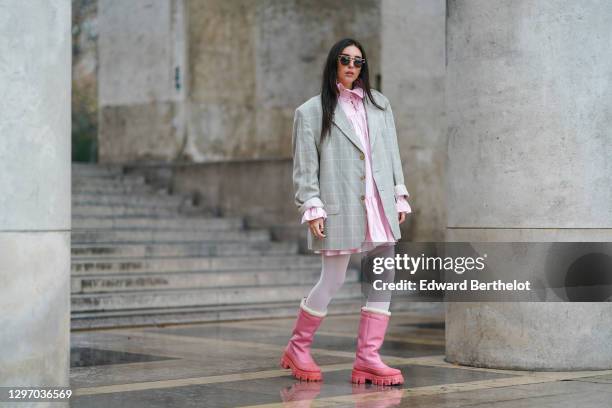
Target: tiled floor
point(234, 364)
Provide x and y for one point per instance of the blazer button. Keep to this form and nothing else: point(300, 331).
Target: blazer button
point(363, 177)
point(362, 198)
point(361, 156)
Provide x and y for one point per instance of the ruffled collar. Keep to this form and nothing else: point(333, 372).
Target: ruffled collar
point(357, 89)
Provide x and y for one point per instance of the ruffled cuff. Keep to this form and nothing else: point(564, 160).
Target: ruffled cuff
point(313, 213)
point(312, 202)
point(401, 190)
point(401, 204)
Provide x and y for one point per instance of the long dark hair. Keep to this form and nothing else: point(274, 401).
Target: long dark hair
point(329, 90)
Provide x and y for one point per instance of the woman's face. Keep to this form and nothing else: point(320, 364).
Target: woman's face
point(347, 74)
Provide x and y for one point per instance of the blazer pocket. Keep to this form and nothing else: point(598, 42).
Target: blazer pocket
point(332, 208)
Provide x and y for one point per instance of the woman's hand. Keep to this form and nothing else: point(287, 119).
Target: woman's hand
point(317, 227)
point(402, 217)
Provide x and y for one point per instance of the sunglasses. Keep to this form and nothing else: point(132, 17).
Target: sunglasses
point(346, 59)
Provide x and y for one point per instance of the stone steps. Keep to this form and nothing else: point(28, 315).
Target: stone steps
point(140, 200)
point(141, 256)
point(152, 235)
point(107, 180)
point(94, 210)
point(176, 249)
point(202, 314)
point(89, 170)
point(168, 222)
point(147, 299)
point(93, 283)
point(210, 263)
point(120, 189)
point(199, 314)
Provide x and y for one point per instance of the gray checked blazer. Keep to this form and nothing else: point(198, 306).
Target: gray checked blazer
point(332, 174)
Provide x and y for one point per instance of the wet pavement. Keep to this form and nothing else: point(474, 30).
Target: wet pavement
point(235, 364)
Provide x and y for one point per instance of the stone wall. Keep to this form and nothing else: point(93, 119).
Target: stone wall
point(413, 79)
point(245, 66)
point(242, 68)
point(141, 49)
point(35, 202)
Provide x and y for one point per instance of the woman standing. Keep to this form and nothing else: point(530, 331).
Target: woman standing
point(349, 185)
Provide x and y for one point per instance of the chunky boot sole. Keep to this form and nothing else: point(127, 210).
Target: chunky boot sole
point(360, 377)
point(298, 373)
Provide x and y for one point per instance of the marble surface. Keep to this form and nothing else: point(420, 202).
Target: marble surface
point(234, 364)
point(88, 357)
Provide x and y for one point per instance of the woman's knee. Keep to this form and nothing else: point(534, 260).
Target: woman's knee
point(337, 283)
point(334, 274)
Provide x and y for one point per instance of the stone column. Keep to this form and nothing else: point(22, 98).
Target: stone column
point(35, 57)
point(412, 68)
point(530, 112)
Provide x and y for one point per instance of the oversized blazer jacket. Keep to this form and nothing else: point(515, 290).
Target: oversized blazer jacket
point(331, 174)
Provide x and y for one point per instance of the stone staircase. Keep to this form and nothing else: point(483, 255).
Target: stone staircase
point(143, 256)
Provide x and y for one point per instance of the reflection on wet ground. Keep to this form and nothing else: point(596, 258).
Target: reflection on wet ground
point(235, 364)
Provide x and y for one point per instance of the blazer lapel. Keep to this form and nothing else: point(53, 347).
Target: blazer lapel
point(342, 121)
point(372, 115)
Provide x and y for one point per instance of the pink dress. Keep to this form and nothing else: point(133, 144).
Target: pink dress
point(378, 230)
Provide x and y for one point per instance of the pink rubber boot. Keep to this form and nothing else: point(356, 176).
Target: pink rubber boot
point(368, 366)
point(297, 353)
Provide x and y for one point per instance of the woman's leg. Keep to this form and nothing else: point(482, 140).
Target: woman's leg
point(333, 274)
point(381, 300)
point(310, 315)
point(373, 325)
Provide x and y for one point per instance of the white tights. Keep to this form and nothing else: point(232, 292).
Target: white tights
point(333, 274)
